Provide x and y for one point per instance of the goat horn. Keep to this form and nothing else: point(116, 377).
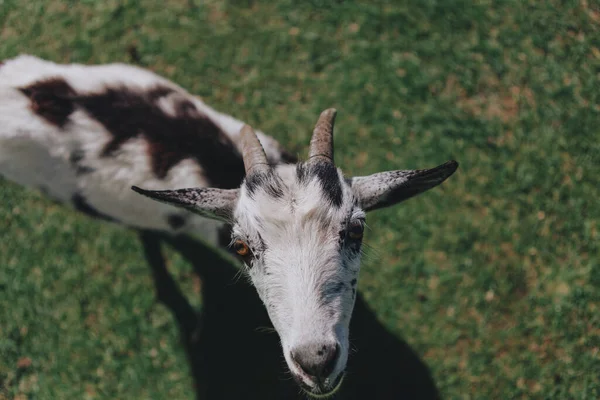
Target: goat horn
point(253, 153)
point(321, 144)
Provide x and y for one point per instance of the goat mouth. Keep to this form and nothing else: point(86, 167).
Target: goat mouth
point(322, 392)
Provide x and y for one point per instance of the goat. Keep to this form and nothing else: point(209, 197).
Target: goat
point(86, 134)
point(298, 230)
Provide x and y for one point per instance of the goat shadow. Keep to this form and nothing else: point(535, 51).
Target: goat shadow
point(231, 358)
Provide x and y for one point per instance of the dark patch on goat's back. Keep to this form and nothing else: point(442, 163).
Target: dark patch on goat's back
point(175, 221)
point(51, 99)
point(327, 175)
point(80, 203)
point(171, 137)
point(267, 181)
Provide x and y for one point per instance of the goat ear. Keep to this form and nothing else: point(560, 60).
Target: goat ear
point(207, 202)
point(388, 188)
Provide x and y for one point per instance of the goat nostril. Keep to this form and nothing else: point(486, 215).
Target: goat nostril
point(317, 361)
point(331, 357)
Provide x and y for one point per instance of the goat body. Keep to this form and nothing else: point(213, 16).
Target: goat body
point(85, 134)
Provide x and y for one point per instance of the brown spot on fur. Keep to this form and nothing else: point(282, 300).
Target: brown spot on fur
point(184, 133)
point(172, 126)
point(51, 99)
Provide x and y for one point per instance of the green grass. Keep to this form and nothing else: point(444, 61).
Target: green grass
point(494, 278)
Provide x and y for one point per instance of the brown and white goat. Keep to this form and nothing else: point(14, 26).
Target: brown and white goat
point(87, 134)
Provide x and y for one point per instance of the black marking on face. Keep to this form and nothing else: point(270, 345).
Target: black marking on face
point(352, 245)
point(354, 236)
point(342, 234)
point(175, 221)
point(344, 264)
point(261, 245)
point(332, 289)
point(353, 282)
point(301, 173)
point(268, 182)
point(51, 99)
point(252, 182)
point(330, 180)
point(327, 175)
point(81, 204)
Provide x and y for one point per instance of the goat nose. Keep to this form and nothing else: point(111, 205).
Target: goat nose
point(316, 359)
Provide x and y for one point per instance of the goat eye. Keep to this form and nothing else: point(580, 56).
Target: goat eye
point(356, 231)
point(241, 248)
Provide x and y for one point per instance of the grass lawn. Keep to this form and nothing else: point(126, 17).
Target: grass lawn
point(493, 278)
